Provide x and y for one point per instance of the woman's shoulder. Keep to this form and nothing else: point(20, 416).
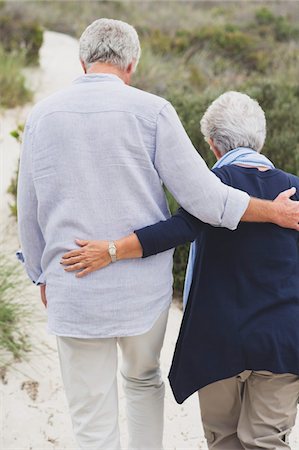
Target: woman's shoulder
point(294, 182)
point(241, 177)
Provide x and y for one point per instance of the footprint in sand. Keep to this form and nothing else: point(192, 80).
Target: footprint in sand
point(31, 388)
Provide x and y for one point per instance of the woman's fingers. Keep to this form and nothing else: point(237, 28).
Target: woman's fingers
point(72, 254)
point(72, 260)
point(79, 251)
point(73, 267)
point(93, 255)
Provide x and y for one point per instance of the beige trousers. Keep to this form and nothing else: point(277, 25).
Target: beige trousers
point(254, 410)
point(89, 369)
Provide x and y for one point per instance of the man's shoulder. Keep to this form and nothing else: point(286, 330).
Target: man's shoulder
point(147, 96)
point(133, 100)
point(146, 103)
point(48, 105)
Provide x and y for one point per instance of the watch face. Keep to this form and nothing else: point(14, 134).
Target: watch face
point(112, 250)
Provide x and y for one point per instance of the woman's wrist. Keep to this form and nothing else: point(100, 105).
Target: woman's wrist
point(128, 247)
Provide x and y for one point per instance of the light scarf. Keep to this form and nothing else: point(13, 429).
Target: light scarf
point(241, 155)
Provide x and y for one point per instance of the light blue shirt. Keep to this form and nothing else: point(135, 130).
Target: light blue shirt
point(92, 165)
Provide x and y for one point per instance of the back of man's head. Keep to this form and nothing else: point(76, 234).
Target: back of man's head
point(110, 41)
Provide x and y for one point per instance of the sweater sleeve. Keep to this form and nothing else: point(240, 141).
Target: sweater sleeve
point(167, 234)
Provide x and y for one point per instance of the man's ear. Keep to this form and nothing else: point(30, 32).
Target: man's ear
point(129, 72)
point(130, 68)
point(83, 66)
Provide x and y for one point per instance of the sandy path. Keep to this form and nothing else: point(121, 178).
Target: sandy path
point(33, 411)
point(33, 408)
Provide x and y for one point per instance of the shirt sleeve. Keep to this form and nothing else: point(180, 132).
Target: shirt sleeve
point(30, 234)
point(167, 234)
point(188, 178)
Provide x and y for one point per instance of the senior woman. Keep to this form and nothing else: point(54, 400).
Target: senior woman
point(238, 344)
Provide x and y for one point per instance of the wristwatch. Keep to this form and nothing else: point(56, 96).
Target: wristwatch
point(112, 251)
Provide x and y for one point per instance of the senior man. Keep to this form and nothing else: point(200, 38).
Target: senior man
point(93, 159)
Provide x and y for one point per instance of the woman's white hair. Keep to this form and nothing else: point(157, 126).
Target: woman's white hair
point(234, 120)
point(110, 41)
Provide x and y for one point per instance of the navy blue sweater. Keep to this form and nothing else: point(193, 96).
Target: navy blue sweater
point(243, 307)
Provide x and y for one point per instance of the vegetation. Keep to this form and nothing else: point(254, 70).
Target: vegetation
point(13, 187)
point(21, 40)
point(12, 82)
point(13, 311)
point(21, 35)
point(195, 51)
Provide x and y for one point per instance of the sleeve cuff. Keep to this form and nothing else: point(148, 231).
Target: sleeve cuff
point(144, 238)
point(20, 256)
point(37, 280)
point(236, 204)
point(41, 280)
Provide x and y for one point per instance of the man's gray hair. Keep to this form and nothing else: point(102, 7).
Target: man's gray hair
point(234, 120)
point(110, 41)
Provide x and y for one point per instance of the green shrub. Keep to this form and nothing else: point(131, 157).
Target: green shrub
point(280, 102)
point(159, 42)
point(197, 78)
point(13, 309)
point(18, 35)
point(12, 82)
point(226, 40)
point(13, 191)
point(155, 73)
point(241, 47)
point(284, 30)
point(264, 16)
point(13, 187)
point(279, 26)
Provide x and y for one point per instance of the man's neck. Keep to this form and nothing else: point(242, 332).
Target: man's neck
point(107, 69)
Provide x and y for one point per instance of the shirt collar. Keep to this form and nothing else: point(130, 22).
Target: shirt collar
point(96, 77)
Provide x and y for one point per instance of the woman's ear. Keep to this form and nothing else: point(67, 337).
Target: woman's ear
point(214, 149)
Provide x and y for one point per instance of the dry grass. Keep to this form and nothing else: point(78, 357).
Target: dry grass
point(13, 310)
